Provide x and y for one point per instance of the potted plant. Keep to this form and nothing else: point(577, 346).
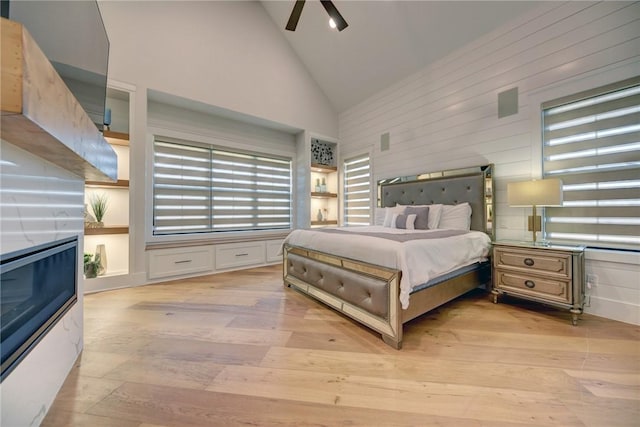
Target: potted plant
point(99, 204)
point(91, 265)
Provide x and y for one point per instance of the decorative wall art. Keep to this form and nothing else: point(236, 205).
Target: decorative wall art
point(322, 153)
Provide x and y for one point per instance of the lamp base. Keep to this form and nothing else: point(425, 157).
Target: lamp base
point(534, 225)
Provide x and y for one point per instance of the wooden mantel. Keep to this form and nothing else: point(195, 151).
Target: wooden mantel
point(40, 115)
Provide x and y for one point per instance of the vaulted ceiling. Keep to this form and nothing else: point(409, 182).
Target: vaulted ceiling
point(385, 41)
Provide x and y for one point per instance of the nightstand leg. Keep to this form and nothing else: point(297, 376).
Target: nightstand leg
point(494, 295)
point(575, 312)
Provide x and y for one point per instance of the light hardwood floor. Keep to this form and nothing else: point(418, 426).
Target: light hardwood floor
point(240, 349)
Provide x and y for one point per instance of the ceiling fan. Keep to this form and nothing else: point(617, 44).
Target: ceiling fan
point(339, 21)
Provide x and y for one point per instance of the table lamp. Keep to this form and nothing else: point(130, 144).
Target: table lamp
point(540, 192)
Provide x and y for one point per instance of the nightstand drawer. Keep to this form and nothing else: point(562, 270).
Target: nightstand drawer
point(545, 288)
point(531, 261)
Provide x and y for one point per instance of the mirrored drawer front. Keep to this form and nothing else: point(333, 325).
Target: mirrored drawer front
point(549, 289)
point(239, 254)
point(547, 262)
point(173, 262)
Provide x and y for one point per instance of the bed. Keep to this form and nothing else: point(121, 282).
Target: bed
point(384, 277)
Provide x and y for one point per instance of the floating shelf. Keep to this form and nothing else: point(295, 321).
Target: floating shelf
point(116, 138)
point(330, 222)
point(121, 183)
point(40, 114)
point(106, 230)
point(323, 195)
point(315, 167)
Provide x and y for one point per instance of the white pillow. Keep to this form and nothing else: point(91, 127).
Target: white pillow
point(388, 217)
point(378, 216)
point(435, 212)
point(456, 217)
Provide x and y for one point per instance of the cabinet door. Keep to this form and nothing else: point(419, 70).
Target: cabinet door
point(240, 254)
point(175, 262)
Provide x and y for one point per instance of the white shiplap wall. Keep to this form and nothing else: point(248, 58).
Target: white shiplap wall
point(445, 116)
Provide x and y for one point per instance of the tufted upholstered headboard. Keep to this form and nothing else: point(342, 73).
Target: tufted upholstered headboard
point(473, 185)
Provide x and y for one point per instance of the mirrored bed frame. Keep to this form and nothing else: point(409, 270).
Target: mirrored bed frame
point(369, 293)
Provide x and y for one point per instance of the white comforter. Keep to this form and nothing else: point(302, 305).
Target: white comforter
point(419, 260)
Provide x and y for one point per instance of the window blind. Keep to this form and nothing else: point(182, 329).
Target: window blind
point(357, 191)
point(591, 141)
point(208, 189)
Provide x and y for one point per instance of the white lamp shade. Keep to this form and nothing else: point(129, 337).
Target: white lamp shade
point(540, 192)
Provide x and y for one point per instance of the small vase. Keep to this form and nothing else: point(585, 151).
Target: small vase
point(319, 215)
point(101, 251)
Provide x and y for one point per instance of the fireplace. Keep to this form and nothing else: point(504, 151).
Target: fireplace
point(38, 286)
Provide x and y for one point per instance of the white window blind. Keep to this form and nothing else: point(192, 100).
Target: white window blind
point(591, 141)
point(357, 191)
point(197, 188)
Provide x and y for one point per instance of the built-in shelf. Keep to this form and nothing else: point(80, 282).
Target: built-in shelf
point(121, 183)
point(106, 230)
point(323, 195)
point(116, 138)
point(330, 222)
point(315, 167)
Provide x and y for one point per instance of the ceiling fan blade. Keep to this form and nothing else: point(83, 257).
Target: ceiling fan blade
point(295, 15)
point(341, 24)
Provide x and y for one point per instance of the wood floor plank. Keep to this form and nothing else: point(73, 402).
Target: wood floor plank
point(239, 348)
point(79, 392)
point(164, 371)
point(424, 369)
point(428, 398)
point(173, 406)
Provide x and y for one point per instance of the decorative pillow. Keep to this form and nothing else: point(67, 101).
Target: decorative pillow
point(405, 221)
point(435, 211)
point(422, 216)
point(388, 217)
point(378, 216)
point(456, 217)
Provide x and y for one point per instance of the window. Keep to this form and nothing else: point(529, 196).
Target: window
point(357, 191)
point(199, 188)
point(591, 141)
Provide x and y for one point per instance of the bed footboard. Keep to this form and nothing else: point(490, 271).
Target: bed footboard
point(364, 292)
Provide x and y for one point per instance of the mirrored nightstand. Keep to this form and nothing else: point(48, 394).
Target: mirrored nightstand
point(551, 274)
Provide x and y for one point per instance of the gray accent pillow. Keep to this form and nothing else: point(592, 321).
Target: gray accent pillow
point(422, 216)
point(405, 221)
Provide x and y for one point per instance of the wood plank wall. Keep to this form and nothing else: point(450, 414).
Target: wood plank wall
point(445, 116)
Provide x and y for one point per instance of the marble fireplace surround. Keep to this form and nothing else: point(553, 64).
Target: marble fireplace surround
point(49, 147)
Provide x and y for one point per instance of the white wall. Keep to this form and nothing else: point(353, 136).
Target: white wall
point(223, 53)
point(445, 116)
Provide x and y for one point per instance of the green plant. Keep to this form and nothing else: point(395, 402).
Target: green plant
point(92, 265)
point(99, 204)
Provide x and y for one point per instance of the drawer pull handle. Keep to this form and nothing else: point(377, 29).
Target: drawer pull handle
point(529, 262)
point(186, 261)
point(242, 254)
point(530, 284)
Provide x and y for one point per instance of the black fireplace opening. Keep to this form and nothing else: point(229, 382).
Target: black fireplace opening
point(37, 287)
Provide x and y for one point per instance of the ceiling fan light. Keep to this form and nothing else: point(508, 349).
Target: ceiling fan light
point(332, 23)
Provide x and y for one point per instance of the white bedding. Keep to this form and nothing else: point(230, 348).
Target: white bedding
point(419, 260)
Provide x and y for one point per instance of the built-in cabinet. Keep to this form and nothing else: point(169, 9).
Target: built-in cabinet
point(174, 262)
point(111, 238)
